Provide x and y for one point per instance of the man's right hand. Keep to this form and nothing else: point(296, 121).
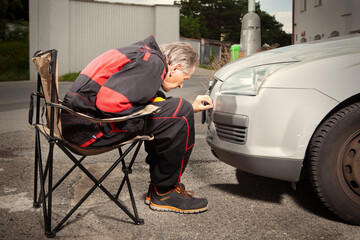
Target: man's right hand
point(202, 102)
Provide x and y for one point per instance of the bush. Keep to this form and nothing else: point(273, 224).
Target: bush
point(218, 62)
point(14, 60)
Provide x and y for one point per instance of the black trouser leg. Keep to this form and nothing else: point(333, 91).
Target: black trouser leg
point(169, 152)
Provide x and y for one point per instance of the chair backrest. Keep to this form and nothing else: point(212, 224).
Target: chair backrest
point(46, 66)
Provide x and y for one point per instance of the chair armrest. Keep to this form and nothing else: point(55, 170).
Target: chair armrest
point(39, 94)
point(31, 106)
point(149, 109)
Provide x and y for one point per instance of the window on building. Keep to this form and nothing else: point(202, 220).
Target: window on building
point(317, 37)
point(317, 3)
point(302, 5)
point(334, 34)
point(303, 40)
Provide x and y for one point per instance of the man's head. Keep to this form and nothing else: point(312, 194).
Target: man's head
point(182, 60)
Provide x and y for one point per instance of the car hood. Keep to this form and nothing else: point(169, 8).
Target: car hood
point(294, 53)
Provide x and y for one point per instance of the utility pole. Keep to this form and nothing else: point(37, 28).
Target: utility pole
point(250, 37)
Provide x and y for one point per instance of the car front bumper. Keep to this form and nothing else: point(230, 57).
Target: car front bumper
point(267, 134)
point(278, 168)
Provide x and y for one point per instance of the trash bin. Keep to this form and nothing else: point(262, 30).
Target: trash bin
point(235, 52)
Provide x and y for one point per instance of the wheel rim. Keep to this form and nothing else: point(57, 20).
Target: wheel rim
point(350, 160)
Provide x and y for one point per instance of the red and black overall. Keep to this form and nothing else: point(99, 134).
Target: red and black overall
point(120, 82)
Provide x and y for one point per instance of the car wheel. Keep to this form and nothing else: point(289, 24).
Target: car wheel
point(334, 163)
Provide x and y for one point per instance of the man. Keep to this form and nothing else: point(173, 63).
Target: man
point(122, 81)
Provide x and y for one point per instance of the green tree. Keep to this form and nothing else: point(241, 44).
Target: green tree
point(3, 10)
point(18, 10)
point(190, 27)
point(14, 40)
point(220, 20)
point(271, 30)
point(217, 18)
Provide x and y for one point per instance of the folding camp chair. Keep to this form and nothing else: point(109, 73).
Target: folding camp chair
point(47, 93)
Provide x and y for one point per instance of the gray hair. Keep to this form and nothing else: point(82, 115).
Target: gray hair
point(180, 52)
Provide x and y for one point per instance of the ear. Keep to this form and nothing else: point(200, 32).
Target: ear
point(175, 67)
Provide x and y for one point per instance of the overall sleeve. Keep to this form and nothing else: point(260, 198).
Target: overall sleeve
point(133, 86)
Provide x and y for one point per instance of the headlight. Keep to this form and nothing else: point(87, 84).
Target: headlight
point(248, 81)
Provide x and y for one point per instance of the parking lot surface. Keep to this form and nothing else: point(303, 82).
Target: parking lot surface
point(241, 206)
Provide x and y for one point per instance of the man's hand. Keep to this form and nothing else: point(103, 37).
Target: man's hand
point(202, 102)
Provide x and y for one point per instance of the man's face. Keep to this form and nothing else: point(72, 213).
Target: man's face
point(175, 78)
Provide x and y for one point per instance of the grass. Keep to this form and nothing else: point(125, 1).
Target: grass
point(14, 60)
point(205, 66)
point(69, 76)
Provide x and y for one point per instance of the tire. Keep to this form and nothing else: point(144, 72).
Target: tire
point(334, 163)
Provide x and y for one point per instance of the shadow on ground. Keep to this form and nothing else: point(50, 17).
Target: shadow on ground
point(271, 190)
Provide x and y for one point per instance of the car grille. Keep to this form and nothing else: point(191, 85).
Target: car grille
point(231, 133)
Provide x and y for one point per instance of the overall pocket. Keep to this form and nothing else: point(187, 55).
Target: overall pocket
point(79, 131)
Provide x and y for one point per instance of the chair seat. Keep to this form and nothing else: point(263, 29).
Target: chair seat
point(88, 151)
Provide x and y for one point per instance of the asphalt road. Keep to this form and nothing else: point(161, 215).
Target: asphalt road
point(255, 208)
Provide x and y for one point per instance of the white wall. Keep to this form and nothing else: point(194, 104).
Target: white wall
point(195, 43)
point(48, 25)
point(331, 15)
point(81, 30)
point(167, 26)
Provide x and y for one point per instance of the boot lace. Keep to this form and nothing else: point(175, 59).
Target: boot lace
point(182, 191)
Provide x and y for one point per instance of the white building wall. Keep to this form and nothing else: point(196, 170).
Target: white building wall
point(98, 27)
point(355, 17)
point(48, 26)
point(82, 29)
point(167, 26)
point(195, 43)
point(323, 17)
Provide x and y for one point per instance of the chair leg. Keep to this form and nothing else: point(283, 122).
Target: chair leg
point(39, 176)
point(48, 231)
point(127, 170)
point(47, 206)
point(36, 203)
point(97, 183)
point(44, 174)
point(138, 221)
point(62, 178)
point(43, 177)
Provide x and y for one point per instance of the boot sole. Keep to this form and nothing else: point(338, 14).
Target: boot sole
point(174, 209)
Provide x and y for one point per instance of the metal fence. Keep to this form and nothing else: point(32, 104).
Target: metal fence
point(208, 49)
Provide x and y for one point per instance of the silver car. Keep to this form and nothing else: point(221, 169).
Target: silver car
point(283, 111)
